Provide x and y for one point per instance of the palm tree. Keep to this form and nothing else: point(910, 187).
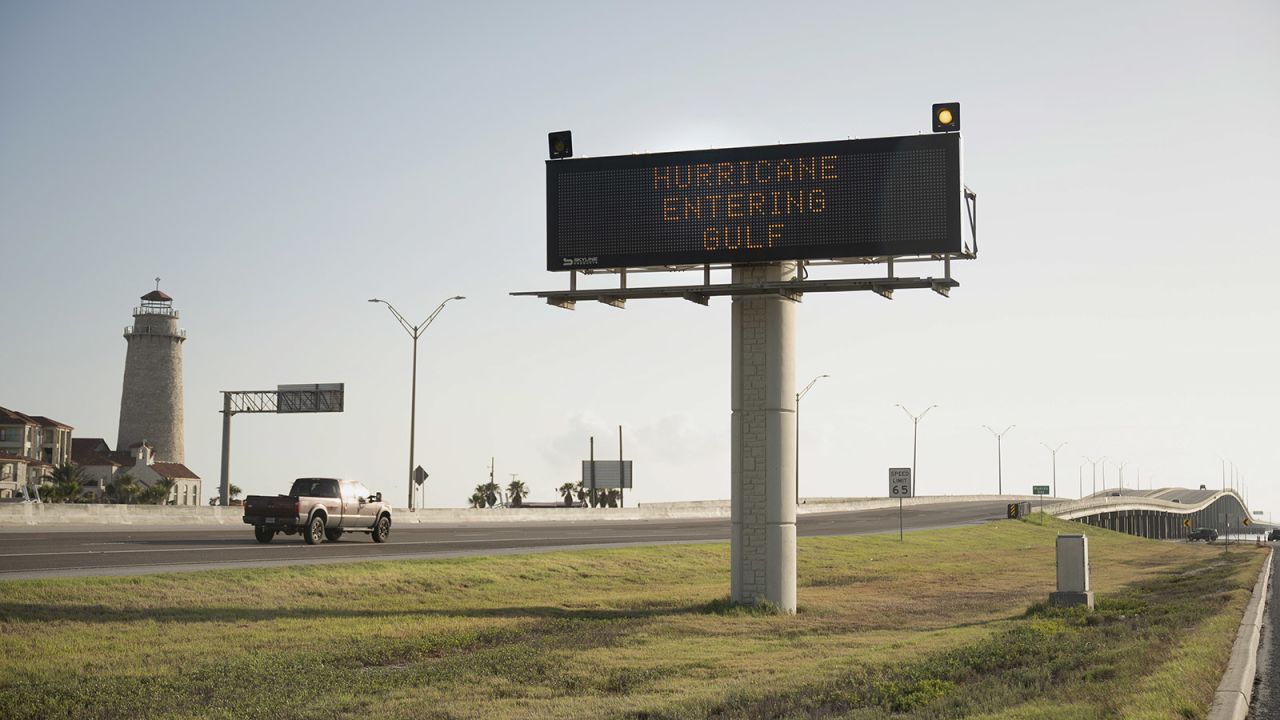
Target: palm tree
point(123, 489)
point(490, 490)
point(609, 498)
point(567, 491)
point(64, 484)
point(233, 492)
point(158, 493)
point(581, 491)
point(477, 498)
point(517, 490)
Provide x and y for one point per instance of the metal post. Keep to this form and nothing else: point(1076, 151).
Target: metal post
point(999, 456)
point(592, 494)
point(413, 415)
point(915, 434)
point(415, 331)
point(999, 467)
point(622, 474)
point(1053, 451)
point(799, 396)
point(224, 485)
point(913, 479)
point(915, 427)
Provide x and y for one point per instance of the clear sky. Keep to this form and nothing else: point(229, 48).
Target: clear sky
point(277, 164)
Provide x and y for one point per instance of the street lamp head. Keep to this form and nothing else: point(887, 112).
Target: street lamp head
point(374, 300)
point(458, 297)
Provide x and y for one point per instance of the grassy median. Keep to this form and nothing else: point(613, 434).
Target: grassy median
point(949, 624)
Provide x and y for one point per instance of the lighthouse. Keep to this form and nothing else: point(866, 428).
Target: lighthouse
point(151, 401)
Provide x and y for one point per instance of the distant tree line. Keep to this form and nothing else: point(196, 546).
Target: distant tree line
point(490, 494)
point(66, 484)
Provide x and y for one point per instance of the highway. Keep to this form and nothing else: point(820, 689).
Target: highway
point(29, 553)
point(1266, 694)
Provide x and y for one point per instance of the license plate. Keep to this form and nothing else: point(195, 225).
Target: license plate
point(271, 520)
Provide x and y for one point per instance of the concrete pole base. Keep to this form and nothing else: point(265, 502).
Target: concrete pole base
point(1071, 598)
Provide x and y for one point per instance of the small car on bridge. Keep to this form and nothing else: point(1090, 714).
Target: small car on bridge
point(1205, 534)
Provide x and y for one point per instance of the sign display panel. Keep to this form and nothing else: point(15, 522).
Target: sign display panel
point(841, 199)
point(900, 483)
point(1039, 489)
point(609, 474)
point(314, 397)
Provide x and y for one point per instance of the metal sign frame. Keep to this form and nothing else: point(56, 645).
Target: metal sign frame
point(878, 196)
point(322, 397)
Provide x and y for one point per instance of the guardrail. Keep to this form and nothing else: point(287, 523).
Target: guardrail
point(20, 514)
point(1072, 509)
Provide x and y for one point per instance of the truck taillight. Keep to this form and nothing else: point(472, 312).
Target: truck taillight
point(297, 506)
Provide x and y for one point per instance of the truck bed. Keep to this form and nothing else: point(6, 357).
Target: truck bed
point(271, 506)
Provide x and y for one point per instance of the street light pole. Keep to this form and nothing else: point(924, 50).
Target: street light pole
point(1122, 467)
point(1080, 480)
point(1094, 463)
point(1053, 451)
point(999, 456)
point(915, 427)
point(415, 332)
point(799, 396)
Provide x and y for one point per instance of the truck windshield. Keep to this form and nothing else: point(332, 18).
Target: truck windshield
point(315, 487)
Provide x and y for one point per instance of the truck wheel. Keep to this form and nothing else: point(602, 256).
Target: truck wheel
point(381, 529)
point(315, 531)
point(333, 535)
point(264, 534)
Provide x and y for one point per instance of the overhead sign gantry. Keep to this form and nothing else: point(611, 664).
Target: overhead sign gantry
point(285, 399)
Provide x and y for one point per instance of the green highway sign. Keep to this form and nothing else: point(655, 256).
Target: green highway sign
point(1039, 489)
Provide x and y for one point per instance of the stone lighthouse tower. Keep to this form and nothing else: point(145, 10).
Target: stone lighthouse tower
point(151, 403)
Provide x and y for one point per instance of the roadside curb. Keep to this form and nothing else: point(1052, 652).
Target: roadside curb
point(1231, 701)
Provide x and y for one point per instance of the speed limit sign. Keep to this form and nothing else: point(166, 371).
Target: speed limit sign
point(900, 483)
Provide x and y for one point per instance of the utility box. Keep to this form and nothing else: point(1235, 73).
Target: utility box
point(1073, 572)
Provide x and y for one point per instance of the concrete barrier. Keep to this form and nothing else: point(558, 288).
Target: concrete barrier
point(26, 515)
point(1231, 701)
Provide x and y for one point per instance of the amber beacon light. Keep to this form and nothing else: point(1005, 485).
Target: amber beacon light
point(946, 117)
point(560, 144)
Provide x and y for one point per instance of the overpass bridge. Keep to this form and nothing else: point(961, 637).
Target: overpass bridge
point(1161, 513)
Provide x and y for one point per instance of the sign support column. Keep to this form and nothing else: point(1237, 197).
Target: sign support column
point(762, 465)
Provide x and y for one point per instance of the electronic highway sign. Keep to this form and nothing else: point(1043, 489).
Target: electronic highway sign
point(840, 199)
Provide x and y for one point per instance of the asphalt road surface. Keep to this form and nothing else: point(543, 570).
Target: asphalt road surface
point(83, 551)
point(1266, 694)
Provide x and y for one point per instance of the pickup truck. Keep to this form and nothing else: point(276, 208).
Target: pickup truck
point(319, 509)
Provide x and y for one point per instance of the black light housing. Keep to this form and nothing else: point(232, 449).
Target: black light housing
point(560, 144)
point(946, 117)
